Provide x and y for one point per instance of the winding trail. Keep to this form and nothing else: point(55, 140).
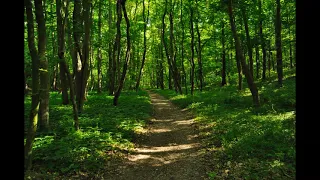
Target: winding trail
point(170, 150)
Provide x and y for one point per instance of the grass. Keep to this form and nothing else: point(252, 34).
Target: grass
point(244, 142)
point(105, 132)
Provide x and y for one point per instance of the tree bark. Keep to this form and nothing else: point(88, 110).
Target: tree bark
point(35, 99)
point(125, 65)
point(144, 44)
point(245, 20)
point(223, 72)
point(77, 32)
point(192, 51)
point(84, 72)
point(175, 71)
point(184, 77)
point(44, 75)
point(99, 54)
point(278, 43)
point(251, 84)
point(263, 46)
point(199, 58)
point(61, 27)
point(61, 50)
point(110, 53)
point(116, 47)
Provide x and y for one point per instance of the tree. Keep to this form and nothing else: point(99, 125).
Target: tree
point(278, 43)
point(262, 40)
point(99, 54)
point(144, 44)
point(192, 50)
point(44, 74)
point(199, 48)
point(82, 73)
point(125, 65)
point(35, 101)
point(61, 27)
point(223, 72)
point(251, 84)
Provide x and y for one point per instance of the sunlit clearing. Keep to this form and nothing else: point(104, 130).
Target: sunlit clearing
point(166, 148)
point(160, 130)
point(183, 122)
point(138, 157)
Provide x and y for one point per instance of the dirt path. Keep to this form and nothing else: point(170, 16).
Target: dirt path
point(170, 150)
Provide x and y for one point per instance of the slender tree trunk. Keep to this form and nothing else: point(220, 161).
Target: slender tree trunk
point(61, 50)
point(223, 74)
point(165, 46)
point(84, 72)
point(184, 77)
point(278, 44)
point(144, 44)
point(290, 46)
point(77, 32)
point(35, 99)
point(269, 59)
point(245, 20)
point(161, 67)
point(44, 74)
point(257, 60)
point(263, 46)
point(125, 65)
point(61, 25)
point(239, 68)
point(99, 54)
point(192, 51)
point(251, 84)
point(116, 47)
point(110, 53)
point(175, 71)
point(199, 58)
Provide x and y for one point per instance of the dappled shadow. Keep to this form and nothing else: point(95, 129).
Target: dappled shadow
point(169, 150)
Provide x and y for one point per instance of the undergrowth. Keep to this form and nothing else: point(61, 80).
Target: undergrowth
point(105, 132)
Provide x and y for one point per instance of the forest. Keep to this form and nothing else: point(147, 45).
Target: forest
point(159, 89)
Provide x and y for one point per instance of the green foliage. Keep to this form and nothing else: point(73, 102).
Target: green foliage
point(249, 142)
point(104, 131)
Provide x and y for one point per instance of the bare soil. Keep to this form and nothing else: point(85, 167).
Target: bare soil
point(169, 150)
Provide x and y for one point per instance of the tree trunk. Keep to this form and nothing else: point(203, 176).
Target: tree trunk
point(200, 74)
point(223, 72)
point(35, 100)
point(175, 71)
point(257, 60)
point(116, 48)
point(61, 50)
point(99, 54)
point(77, 29)
point(251, 84)
point(125, 65)
point(44, 75)
point(61, 25)
point(239, 68)
point(84, 72)
point(245, 20)
point(161, 67)
point(144, 44)
point(165, 46)
point(192, 51)
point(278, 44)
point(263, 47)
point(184, 77)
point(110, 53)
